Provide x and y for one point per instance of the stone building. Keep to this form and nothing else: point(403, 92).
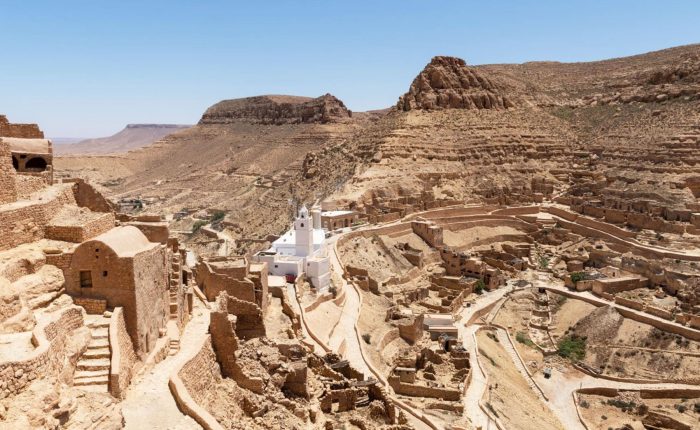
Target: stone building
point(333, 220)
point(122, 268)
point(32, 156)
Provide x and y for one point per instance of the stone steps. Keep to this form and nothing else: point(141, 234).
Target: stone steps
point(93, 364)
point(92, 369)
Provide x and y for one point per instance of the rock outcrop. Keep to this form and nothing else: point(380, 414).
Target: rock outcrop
point(448, 83)
point(278, 110)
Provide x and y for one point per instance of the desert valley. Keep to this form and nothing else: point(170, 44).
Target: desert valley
point(509, 246)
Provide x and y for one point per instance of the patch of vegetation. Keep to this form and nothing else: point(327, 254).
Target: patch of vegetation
point(544, 262)
point(367, 338)
point(218, 216)
point(621, 404)
point(577, 276)
point(572, 347)
point(479, 287)
point(563, 112)
point(524, 339)
point(584, 404)
point(493, 337)
point(681, 408)
point(197, 225)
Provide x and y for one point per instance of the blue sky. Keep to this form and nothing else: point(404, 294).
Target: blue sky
point(87, 68)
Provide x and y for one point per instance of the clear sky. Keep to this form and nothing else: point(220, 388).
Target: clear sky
point(87, 68)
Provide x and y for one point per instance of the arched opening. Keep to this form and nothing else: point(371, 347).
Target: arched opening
point(37, 163)
point(15, 162)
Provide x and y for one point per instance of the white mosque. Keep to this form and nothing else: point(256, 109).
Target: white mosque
point(302, 249)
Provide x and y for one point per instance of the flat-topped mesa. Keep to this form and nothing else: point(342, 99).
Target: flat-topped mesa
point(448, 83)
point(276, 109)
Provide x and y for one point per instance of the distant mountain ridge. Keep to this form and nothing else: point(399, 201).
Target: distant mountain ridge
point(133, 136)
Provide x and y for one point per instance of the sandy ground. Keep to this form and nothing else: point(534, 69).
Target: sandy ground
point(601, 415)
point(467, 237)
point(568, 314)
point(149, 403)
point(515, 403)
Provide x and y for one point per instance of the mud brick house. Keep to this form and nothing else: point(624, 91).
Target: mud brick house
point(122, 268)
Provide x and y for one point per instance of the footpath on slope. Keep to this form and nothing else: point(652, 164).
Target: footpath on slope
point(149, 403)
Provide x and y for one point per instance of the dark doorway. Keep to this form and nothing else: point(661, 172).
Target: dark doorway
point(36, 163)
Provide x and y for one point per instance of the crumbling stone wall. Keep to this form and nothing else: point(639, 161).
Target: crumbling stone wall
point(25, 131)
point(27, 223)
point(224, 338)
point(8, 192)
point(429, 232)
point(87, 196)
point(47, 359)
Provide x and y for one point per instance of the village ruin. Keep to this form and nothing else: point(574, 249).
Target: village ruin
point(376, 281)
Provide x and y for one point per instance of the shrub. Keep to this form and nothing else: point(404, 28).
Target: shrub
point(218, 216)
point(524, 339)
point(367, 338)
point(492, 336)
point(544, 262)
point(584, 404)
point(681, 408)
point(577, 276)
point(479, 287)
point(197, 225)
point(572, 347)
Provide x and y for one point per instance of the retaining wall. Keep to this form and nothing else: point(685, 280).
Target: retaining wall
point(123, 362)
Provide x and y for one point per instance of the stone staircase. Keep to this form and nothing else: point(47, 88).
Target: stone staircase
point(510, 349)
point(174, 285)
point(92, 369)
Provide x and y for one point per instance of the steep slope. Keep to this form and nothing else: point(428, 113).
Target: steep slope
point(133, 136)
point(244, 157)
point(616, 135)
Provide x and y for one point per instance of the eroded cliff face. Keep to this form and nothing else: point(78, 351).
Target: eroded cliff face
point(448, 83)
point(278, 110)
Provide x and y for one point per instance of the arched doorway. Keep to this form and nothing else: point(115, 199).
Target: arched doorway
point(36, 163)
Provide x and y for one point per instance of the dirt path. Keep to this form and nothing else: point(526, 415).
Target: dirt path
point(149, 403)
point(477, 386)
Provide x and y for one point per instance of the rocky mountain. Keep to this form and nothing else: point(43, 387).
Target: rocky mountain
point(276, 109)
point(621, 134)
point(133, 136)
point(448, 83)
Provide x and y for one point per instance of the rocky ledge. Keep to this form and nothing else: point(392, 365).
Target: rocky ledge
point(278, 110)
point(448, 83)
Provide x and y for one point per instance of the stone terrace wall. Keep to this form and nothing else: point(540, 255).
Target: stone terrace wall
point(48, 357)
point(123, 356)
point(23, 223)
point(8, 192)
point(415, 390)
point(190, 383)
point(81, 233)
point(27, 184)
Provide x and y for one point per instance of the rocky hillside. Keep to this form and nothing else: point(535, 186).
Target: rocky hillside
point(275, 109)
point(621, 134)
point(133, 136)
point(448, 83)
